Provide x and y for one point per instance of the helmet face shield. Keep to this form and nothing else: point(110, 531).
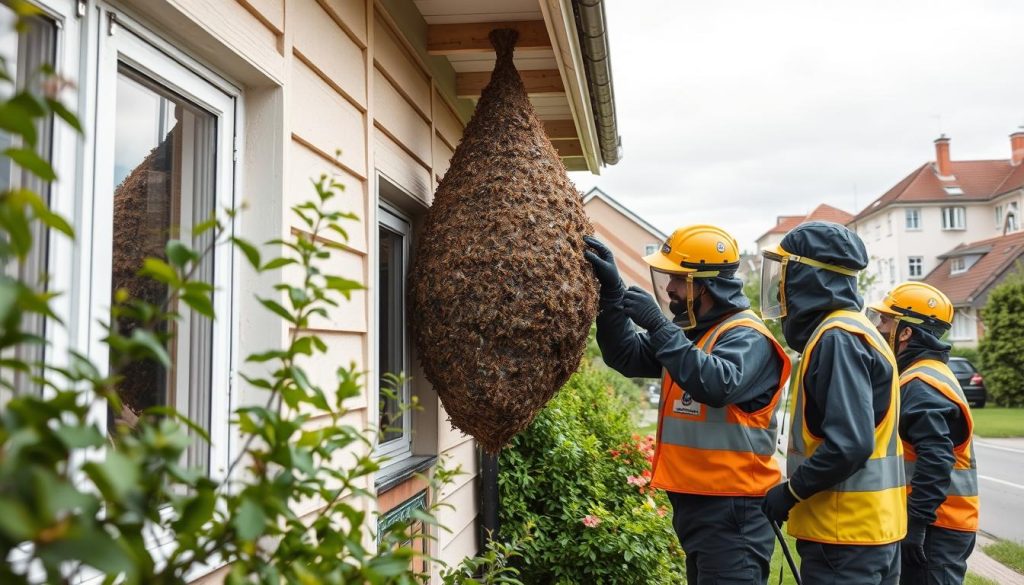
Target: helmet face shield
point(773, 286)
point(674, 293)
point(886, 323)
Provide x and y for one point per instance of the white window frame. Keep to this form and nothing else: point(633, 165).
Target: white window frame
point(888, 224)
point(892, 271)
point(122, 41)
point(954, 218)
point(915, 266)
point(962, 327)
point(958, 265)
point(394, 220)
point(999, 217)
point(915, 214)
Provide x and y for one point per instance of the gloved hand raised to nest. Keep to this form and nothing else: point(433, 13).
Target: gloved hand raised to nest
point(601, 258)
point(641, 307)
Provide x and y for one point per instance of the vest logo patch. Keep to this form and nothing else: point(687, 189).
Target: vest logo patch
point(686, 405)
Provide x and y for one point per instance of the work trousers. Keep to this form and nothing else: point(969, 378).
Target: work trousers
point(727, 540)
point(844, 564)
point(947, 551)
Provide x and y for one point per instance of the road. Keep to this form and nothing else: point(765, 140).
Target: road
point(1001, 485)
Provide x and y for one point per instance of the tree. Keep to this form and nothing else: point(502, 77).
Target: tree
point(1002, 348)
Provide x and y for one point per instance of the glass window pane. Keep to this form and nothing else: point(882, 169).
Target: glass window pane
point(164, 161)
point(392, 343)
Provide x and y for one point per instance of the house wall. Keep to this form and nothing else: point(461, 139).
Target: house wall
point(769, 241)
point(325, 86)
point(626, 239)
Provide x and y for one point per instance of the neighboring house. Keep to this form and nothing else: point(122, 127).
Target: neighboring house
point(783, 223)
point(968, 273)
point(628, 235)
point(937, 207)
point(191, 106)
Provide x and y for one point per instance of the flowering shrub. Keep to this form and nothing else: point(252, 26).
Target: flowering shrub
point(576, 495)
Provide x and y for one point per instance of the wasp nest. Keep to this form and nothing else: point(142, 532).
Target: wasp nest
point(502, 297)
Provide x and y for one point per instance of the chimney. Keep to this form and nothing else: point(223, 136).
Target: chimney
point(1017, 146)
point(943, 166)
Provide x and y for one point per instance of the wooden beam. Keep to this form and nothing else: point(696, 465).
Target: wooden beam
point(568, 147)
point(471, 83)
point(471, 37)
point(560, 129)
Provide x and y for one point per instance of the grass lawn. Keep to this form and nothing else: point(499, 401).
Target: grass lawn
point(973, 579)
point(998, 422)
point(1007, 552)
point(778, 560)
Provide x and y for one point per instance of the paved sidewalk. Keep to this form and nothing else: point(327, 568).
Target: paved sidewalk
point(985, 566)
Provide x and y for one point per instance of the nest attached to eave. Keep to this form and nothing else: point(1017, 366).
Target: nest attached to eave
point(502, 297)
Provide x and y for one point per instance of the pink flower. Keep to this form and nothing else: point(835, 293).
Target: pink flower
point(591, 521)
point(638, 481)
point(662, 510)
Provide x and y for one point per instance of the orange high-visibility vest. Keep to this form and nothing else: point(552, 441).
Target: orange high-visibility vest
point(717, 451)
point(870, 506)
point(960, 510)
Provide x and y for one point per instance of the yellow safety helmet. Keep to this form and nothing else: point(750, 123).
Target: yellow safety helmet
point(696, 251)
point(916, 303)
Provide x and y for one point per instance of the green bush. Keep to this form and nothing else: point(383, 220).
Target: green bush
point(574, 493)
point(1002, 348)
point(972, 354)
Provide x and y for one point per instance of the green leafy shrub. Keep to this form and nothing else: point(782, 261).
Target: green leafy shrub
point(1002, 348)
point(972, 354)
point(575, 496)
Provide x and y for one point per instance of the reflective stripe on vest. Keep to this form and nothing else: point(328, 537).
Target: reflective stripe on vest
point(959, 511)
point(718, 451)
point(869, 507)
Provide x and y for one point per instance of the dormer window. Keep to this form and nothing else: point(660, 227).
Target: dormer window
point(957, 266)
point(953, 190)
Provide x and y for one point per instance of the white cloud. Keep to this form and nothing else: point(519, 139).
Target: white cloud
point(735, 112)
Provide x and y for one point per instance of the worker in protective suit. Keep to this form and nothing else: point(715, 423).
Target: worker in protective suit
point(937, 428)
point(722, 375)
point(844, 500)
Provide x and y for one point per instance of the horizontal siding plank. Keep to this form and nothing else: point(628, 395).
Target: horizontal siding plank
point(306, 165)
point(351, 14)
point(323, 43)
point(460, 545)
point(442, 157)
point(402, 121)
point(395, 60)
point(461, 514)
point(324, 119)
point(271, 12)
point(402, 169)
point(446, 122)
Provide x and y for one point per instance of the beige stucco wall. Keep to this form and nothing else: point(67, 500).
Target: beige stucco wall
point(320, 77)
point(626, 239)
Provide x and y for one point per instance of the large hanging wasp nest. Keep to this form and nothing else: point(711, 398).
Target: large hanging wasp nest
point(502, 296)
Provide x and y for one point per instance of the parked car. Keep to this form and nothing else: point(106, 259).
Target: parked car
point(971, 381)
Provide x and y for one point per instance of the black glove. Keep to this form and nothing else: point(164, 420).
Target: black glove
point(778, 502)
point(601, 258)
point(641, 307)
point(913, 543)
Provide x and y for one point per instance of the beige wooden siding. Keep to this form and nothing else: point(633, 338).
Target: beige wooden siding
point(331, 51)
point(325, 121)
point(271, 12)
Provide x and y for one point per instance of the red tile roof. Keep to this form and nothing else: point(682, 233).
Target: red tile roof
point(823, 212)
point(1000, 254)
point(980, 180)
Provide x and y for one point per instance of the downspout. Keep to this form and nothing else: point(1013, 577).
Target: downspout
point(489, 501)
point(593, 33)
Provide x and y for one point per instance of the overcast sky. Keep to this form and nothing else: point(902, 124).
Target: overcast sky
point(735, 112)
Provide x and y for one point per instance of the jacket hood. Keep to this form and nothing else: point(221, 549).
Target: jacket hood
point(812, 293)
point(727, 292)
point(922, 345)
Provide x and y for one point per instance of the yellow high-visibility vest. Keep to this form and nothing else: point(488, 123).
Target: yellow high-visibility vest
point(960, 509)
point(870, 506)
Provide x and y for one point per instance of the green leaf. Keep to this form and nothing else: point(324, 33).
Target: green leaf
point(179, 253)
point(65, 114)
point(278, 263)
point(17, 121)
point(200, 303)
point(278, 309)
point(115, 476)
point(153, 347)
point(205, 226)
point(173, 413)
point(78, 437)
point(159, 271)
point(93, 547)
point(197, 511)
point(29, 160)
point(249, 520)
point(342, 285)
point(29, 103)
point(15, 522)
point(250, 251)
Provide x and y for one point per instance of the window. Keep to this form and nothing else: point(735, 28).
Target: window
point(393, 357)
point(878, 231)
point(24, 54)
point(892, 271)
point(954, 218)
point(963, 326)
point(915, 266)
point(651, 249)
point(953, 190)
point(957, 265)
point(999, 217)
point(1011, 217)
point(913, 217)
point(165, 163)
point(888, 224)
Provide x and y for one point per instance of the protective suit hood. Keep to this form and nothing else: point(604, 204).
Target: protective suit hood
point(922, 345)
point(727, 291)
point(812, 293)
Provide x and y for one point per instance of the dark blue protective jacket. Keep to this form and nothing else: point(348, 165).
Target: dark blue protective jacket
point(933, 424)
point(741, 369)
point(847, 382)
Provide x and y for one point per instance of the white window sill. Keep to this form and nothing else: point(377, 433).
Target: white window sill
point(400, 471)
